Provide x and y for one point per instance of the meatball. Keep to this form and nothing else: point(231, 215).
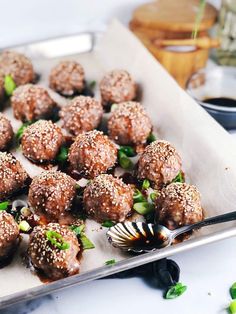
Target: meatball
point(108, 198)
point(160, 163)
point(51, 194)
point(92, 153)
point(179, 204)
point(47, 253)
point(41, 141)
point(9, 234)
point(117, 86)
point(30, 102)
point(12, 174)
point(18, 66)
point(129, 124)
point(81, 114)
point(67, 78)
point(6, 132)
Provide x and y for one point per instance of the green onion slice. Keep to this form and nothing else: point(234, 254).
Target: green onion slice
point(24, 226)
point(146, 184)
point(86, 243)
point(153, 196)
point(232, 307)
point(57, 240)
point(179, 178)
point(175, 291)
point(108, 224)
point(92, 84)
point(4, 205)
point(21, 130)
point(143, 208)
point(77, 229)
point(110, 262)
point(9, 85)
point(138, 196)
point(124, 161)
point(151, 138)
point(233, 291)
point(128, 150)
point(63, 154)
point(114, 107)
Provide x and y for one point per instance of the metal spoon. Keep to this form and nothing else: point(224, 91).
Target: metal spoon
point(142, 237)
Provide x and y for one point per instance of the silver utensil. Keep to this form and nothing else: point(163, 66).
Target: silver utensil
point(142, 237)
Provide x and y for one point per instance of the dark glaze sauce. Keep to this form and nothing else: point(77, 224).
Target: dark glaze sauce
point(221, 101)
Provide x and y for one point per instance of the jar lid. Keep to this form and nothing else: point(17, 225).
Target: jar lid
point(173, 15)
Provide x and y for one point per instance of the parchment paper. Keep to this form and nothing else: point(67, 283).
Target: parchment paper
point(208, 151)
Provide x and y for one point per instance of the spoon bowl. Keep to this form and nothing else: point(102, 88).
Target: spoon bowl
point(139, 236)
point(142, 237)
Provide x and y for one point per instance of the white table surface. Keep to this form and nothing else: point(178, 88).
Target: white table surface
point(207, 271)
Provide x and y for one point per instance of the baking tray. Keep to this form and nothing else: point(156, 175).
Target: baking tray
point(79, 45)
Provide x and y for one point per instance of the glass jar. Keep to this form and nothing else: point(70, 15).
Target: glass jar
point(226, 54)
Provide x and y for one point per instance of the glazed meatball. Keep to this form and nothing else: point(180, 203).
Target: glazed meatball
point(51, 194)
point(12, 174)
point(52, 259)
point(31, 102)
point(160, 163)
point(117, 86)
point(92, 153)
point(81, 114)
point(41, 141)
point(67, 78)
point(9, 234)
point(18, 66)
point(108, 198)
point(6, 132)
point(179, 204)
point(129, 124)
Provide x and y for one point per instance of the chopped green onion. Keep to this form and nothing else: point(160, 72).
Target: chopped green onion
point(114, 107)
point(232, 307)
point(92, 84)
point(175, 291)
point(77, 186)
point(151, 138)
point(21, 130)
point(108, 224)
point(143, 208)
point(146, 184)
point(124, 161)
point(110, 262)
point(179, 178)
point(4, 205)
point(77, 229)
point(9, 85)
point(153, 196)
point(86, 243)
point(63, 154)
point(25, 211)
point(128, 150)
point(57, 240)
point(24, 226)
point(233, 291)
point(138, 196)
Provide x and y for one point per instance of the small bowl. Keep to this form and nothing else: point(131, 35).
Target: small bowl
point(215, 82)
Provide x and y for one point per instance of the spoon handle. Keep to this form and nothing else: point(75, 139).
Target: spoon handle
point(206, 222)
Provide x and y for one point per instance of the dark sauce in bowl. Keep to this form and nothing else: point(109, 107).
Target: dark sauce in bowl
point(221, 101)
